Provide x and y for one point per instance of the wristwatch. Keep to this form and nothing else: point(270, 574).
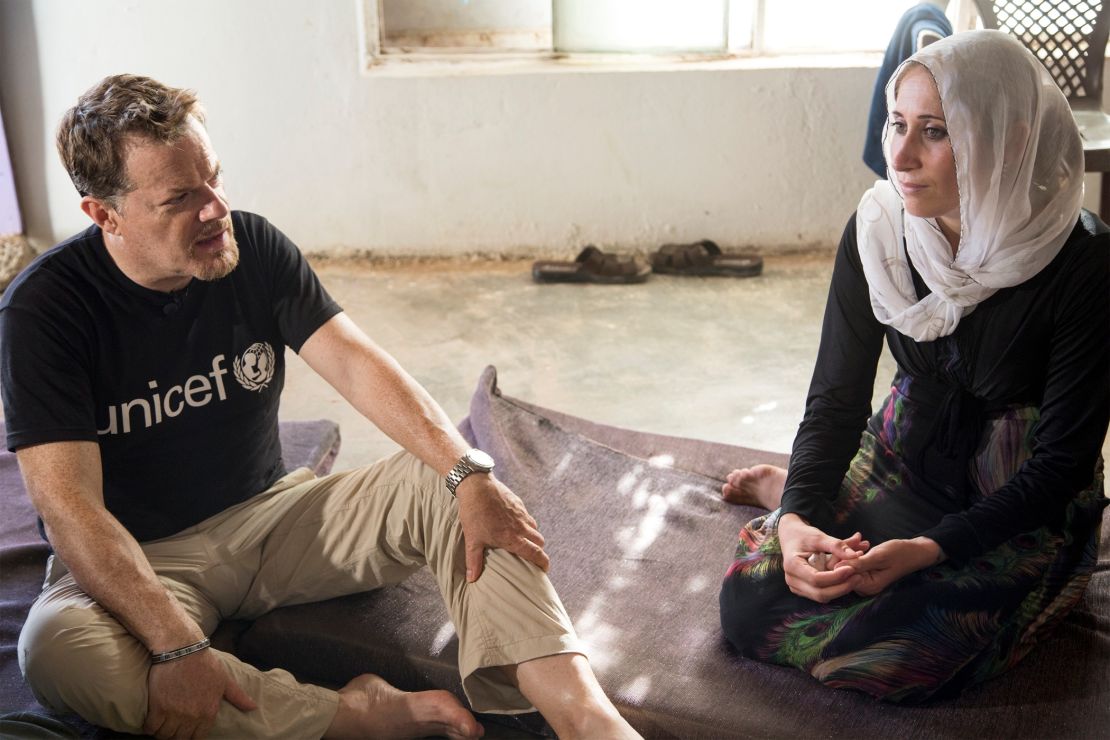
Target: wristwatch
point(472, 461)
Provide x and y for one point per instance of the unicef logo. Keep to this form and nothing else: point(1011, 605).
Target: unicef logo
point(255, 368)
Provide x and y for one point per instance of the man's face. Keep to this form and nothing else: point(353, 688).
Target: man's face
point(175, 225)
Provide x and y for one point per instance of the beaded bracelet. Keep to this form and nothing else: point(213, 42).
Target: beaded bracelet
point(196, 647)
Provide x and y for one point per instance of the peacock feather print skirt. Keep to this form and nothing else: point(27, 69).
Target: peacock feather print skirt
point(935, 631)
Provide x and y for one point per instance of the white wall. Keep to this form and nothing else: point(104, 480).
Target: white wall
point(344, 160)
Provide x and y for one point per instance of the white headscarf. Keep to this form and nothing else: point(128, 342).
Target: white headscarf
point(1019, 169)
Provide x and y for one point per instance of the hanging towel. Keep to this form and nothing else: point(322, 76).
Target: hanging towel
point(921, 17)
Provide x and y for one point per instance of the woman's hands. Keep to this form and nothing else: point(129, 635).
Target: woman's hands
point(891, 560)
point(817, 566)
point(822, 568)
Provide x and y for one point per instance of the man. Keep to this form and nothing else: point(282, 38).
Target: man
point(142, 364)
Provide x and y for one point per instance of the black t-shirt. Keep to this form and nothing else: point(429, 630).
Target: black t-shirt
point(180, 390)
point(1044, 343)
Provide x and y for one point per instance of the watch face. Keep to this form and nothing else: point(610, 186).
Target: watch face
point(480, 459)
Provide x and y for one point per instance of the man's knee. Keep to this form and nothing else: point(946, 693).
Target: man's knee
point(43, 648)
point(79, 659)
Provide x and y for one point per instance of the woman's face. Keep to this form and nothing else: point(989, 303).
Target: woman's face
point(921, 152)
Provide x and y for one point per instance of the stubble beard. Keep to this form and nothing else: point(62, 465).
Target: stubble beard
point(219, 265)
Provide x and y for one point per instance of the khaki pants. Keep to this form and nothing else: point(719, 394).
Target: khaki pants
point(303, 540)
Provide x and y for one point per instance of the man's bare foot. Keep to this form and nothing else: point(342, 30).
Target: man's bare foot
point(370, 707)
point(759, 485)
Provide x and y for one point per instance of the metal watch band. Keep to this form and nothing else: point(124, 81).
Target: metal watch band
point(464, 467)
point(455, 477)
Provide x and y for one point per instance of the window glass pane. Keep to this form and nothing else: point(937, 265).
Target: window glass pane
point(822, 25)
point(479, 24)
point(643, 26)
point(741, 13)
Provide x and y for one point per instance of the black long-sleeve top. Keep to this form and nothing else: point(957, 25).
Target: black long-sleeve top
point(1043, 343)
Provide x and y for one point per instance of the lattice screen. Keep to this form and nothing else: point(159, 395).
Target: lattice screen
point(1059, 33)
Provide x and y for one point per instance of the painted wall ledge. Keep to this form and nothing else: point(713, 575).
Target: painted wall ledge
point(446, 63)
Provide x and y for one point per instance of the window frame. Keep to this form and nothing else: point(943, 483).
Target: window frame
point(376, 56)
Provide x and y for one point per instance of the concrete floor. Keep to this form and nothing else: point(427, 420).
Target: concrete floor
point(715, 358)
point(721, 359)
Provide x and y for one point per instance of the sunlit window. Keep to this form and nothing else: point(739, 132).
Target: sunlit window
point(820, 25)
point(464, 25)
point(688, 27)
point(640, 26)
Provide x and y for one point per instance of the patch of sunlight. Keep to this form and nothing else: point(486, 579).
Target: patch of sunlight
point(650, 526)
point(629, 479)
point(636, 691)
point(443, 636)
point(562, 466)
point(599, 637)
point(697, 584)
point(678, 495)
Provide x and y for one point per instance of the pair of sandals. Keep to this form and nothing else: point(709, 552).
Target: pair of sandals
point(698, 258)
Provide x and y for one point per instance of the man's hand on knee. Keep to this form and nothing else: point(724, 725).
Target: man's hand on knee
point(492, 516)
point(185, 695)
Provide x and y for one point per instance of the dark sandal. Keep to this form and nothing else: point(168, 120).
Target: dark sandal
point(704, 258)
point(592, 266)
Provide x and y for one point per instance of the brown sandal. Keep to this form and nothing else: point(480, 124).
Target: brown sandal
point(592, 266)
point(704, 258)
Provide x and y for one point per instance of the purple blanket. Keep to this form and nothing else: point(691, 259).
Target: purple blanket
point(639, 540)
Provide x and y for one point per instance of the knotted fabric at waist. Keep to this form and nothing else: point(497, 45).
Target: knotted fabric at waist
point(940, 437)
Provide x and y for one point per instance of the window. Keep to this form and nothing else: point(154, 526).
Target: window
point(408, 26)
point(793, 26)
point(640, 26)
point(413, 29)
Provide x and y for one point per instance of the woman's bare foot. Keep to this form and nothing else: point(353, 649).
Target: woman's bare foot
point(759, 485)
point(370, 707)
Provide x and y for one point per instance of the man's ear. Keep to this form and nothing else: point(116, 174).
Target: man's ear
point(102, 214)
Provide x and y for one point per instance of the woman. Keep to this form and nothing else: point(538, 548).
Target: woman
point(931, 552)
